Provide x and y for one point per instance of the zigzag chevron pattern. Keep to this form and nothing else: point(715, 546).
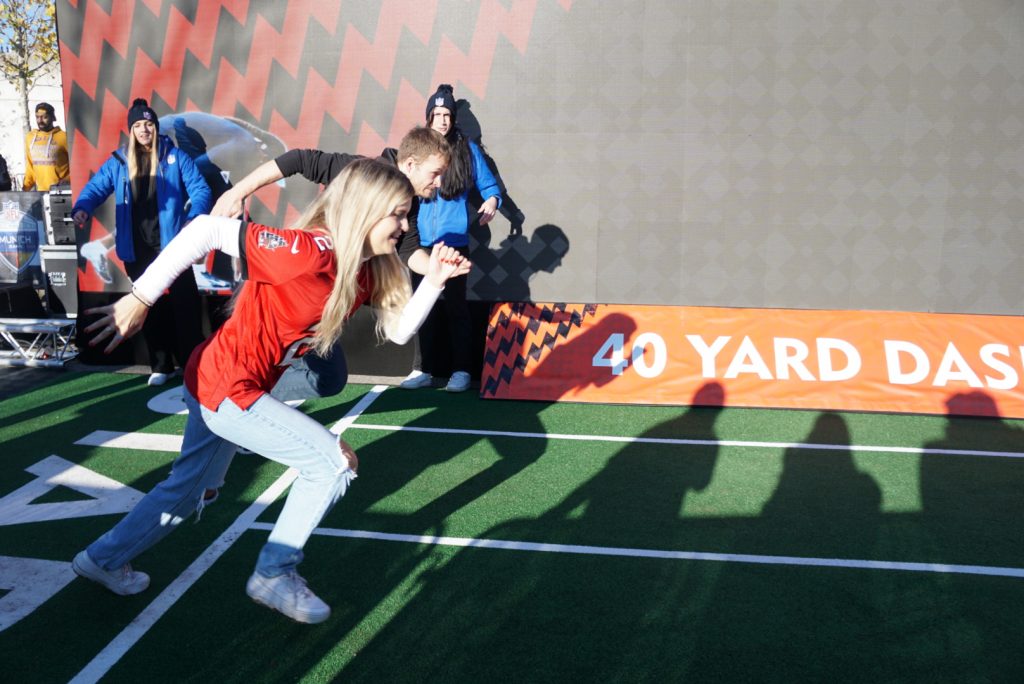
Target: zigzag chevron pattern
point(301, 70)
point(521, 334)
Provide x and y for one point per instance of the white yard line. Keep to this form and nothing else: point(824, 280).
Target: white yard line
point(470, 542)
point(145, 441)
point(138, 627)
point(158, 442)
point(695, 442)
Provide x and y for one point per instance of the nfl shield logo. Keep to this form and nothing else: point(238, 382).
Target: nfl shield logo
point(11, 213)
point(19, 241)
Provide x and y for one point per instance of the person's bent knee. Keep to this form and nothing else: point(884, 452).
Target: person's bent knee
point(332, 465)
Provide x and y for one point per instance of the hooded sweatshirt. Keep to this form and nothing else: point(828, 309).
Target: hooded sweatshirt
point(46, 158)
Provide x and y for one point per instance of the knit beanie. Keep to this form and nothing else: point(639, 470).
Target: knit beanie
point(142, 111)
point(444, 97)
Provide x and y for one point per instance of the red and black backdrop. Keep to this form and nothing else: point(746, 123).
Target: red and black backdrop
point(738, 153)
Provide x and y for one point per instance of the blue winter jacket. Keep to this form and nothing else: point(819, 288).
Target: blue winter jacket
point(177, 181)
point(447, 221)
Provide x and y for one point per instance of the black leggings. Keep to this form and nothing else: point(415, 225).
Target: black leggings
point(459, 328)
point(174, 326)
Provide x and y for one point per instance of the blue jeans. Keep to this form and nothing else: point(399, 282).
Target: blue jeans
point(308, 377)
point(269, 427)
point(312, 376)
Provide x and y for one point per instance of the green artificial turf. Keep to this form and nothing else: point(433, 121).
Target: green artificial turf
point(429, 612)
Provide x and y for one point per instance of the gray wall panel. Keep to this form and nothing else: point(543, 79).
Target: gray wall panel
point(805, 154)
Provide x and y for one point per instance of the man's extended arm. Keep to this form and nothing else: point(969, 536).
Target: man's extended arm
point(316, 166)
point(230, 203)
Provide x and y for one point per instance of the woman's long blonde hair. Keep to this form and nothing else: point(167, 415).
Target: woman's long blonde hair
point(363, 193)
point(139, 155)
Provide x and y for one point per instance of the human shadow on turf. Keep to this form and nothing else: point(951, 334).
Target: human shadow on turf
point(972, 505)
point(575, 616)
point(785, 617)
point(514, 454)
point(590, 614)
point(967, 499)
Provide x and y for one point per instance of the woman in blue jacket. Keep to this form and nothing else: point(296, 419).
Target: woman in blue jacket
point(152, 182)
point(446, 219)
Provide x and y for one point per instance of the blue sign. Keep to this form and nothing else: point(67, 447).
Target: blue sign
point(22, 231)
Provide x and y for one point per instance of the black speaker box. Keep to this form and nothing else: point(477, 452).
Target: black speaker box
point(60, 228)
point(60, 267)
point(20, 301)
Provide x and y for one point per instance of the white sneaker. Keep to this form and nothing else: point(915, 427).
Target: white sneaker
point(288, 595)
point(416, 380)
point(459, 382)
point(157, 379)
point(123, 581)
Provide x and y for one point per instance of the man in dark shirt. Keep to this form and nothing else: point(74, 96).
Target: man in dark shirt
point(421, 156)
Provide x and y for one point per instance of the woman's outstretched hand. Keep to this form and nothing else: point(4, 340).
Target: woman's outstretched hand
point(118, 321)
point(446, 262)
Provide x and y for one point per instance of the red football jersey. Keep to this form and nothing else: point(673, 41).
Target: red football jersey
point(289, 274)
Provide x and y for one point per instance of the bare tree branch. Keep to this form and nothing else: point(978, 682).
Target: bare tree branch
point(28, 45)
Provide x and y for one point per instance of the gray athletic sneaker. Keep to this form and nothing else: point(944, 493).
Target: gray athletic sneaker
point(289, 595)
point(459, 382)
point(123, 581)
point(416, 380)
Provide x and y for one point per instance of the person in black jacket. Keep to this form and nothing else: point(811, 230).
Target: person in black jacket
point(5, 176)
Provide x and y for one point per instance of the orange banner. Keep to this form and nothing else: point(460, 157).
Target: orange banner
point(839, 360)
